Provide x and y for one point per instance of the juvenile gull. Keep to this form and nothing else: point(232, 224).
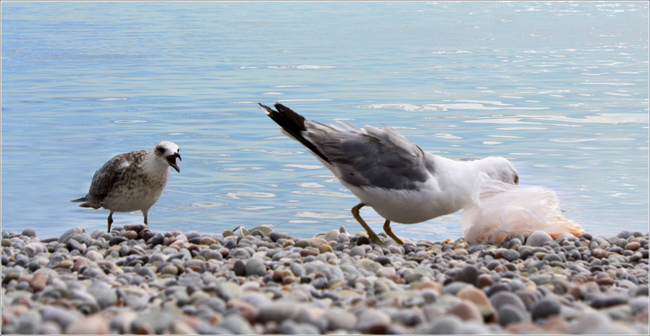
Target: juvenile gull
point(394, 176)
point(132, 181)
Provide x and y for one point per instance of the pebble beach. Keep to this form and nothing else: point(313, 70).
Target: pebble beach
point(135, 280)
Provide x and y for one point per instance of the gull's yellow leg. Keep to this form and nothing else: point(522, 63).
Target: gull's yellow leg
point(390, 233)
point(371, 234)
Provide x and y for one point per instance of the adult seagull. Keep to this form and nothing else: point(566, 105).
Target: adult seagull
point(394, 176)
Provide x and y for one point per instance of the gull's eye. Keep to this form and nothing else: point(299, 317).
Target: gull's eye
point(160, 150)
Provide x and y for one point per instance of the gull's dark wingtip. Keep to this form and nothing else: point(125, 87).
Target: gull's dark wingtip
point(293, 124)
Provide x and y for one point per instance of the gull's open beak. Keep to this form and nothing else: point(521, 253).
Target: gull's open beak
point(172, 161)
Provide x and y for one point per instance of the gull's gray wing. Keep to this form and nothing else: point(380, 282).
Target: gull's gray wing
point(106, 178)
point(371, 156)
point(109, 176)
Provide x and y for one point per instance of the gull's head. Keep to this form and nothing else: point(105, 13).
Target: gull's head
point(498, 168)
point(167, 152)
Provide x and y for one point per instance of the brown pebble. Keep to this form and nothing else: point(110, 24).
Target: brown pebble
point(485, 280)
point(129, 234)
point(146, 234)
point(316, 242)
point(575, 292)
point(479, 299)
point(466, 310)
point(207, 241)
point(113, 248)
point(633, 246)
point(396, 279)
point(93, 255)
point(289, 280)
point(277, 276)
point(308, 252)
point(325, 248)
point(428, 285)
point(599, 253)
point(246, 310)
point(65, 264)
point(288, 242)
point(604, 279)
point(39, 280)
point(79, 263)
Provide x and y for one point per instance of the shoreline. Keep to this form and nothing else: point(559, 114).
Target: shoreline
point(259, 281)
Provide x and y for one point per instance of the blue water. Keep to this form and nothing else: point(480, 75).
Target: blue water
point(560, 89)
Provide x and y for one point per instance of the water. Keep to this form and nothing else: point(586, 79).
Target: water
point(560, 89)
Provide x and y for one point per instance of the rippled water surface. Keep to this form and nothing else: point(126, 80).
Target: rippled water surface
point(560, 89)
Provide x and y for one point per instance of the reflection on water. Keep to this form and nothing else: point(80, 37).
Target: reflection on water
point(463, 80)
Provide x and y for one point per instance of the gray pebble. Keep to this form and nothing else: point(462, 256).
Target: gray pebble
point(468, 274)
point(445, 324)
point(236, 325)
point(509, 313)
point(602, 301)
point(289, 327)
point(29, 232)
point(62, 317)
point(339, 319)
point(544, 308)
point(510, 255)
point(358, 251)
point(538, 238)
point(255, 266)
point(282, 310)
point(68, 234)
point(505, 297)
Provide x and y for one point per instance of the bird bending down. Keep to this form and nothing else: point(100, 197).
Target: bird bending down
point(394, 176)
point(132, 181)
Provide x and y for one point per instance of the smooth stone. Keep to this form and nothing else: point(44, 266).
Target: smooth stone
point(104, 295)
point(454, 287)
point(538, 238)
point(357, 251)
point(282, 310)
point(466, 311)
point(445, 325)
point(509, 313)
point(545, 308)
point(239, 267)
point(639, 304)
point(510, 255)
point(504, 297)
point(332, 235)
point(68, 234)
point(61, 316)
point(468, 274)
point(155, 321)
point(602, 301)
point(255, 266)
point(28, 323)
point(373, 321)
point(90, 325)
point(29, 232)
point(237, 325)
point(289, 327)
point(478, 298)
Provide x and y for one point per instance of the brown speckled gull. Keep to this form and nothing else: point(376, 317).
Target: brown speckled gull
point(132, 181)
